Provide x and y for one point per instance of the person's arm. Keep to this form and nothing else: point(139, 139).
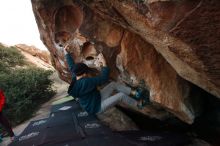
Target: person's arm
point(2, 100)
point(104, 75)
point(102, 78)
point(69, 60)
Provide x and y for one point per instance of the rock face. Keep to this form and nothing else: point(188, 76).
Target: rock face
point(171, 45)
point(43, 55)
point(36, 56)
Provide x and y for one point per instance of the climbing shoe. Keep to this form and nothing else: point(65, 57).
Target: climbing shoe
point(142, 96)
point(140, 106)
point(143, 102)
point(139, 93)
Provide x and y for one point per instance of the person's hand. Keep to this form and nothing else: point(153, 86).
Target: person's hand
point(101, 59)
point(66, 49)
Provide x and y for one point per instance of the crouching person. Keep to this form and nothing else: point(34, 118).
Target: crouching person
point(91, 99)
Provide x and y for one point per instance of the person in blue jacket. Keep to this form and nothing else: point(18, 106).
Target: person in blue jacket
point(85, 88)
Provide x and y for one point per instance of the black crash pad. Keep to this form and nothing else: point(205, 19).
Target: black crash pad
point(69, 125)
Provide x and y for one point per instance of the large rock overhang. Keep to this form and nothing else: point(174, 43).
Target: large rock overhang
point(168, 44)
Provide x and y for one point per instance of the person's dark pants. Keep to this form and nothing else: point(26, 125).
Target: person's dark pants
point(4, 121)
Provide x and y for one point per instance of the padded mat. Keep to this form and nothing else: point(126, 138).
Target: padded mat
point(69, 125)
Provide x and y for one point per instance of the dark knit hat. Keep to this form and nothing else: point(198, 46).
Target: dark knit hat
point(80, 68)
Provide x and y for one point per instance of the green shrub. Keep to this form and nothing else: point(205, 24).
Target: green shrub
point(25, 88)
point(10, 57)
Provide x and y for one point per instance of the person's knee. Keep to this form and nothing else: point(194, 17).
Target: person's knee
point(113, 84)
point(120, 96)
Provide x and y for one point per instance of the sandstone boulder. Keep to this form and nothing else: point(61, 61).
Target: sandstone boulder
point(170, 45)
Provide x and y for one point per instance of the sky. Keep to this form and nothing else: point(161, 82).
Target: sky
point(18, 25)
